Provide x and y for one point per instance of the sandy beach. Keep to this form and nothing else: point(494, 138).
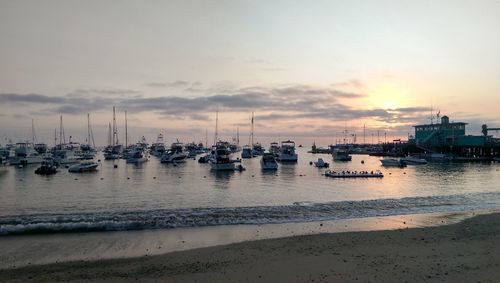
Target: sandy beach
point(461, 252)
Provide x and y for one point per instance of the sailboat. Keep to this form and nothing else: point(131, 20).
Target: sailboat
point(41, 148)
point(114, 150)
point(220, 159)
point(248, 150)
point(88, 149)
point(63, 153)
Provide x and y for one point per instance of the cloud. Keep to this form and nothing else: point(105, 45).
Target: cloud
point(174, 84)
point(28, 98)
point(278, 103)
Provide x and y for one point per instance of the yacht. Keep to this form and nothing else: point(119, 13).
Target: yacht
point(137, 154)
point(247, 152)
point(176, 153)
point(194, 149)
point(268, 162)
point(113, 152)
point(24, 154)
point(391, 162)
point(65, 156)
point(86, 166)
point(340, 154)
point(258, 150)
point(412, 160)
point(220, 160)
point(287, 152)
point(274, 148)
point(158, 148)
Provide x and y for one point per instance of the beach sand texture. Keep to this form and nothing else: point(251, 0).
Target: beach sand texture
point(465, 252)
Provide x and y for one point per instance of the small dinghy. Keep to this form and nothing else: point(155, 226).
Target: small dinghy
point(88, 166)
point(321, 164)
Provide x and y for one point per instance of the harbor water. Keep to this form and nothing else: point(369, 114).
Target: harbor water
point(163, 196)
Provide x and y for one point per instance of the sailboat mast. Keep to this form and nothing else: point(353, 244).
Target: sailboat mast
point(55, 137)
point(206, 138)
point(60, 132)
point(109, 135)
point(33, 136)
point(88, 128)
point(251, 135)
point(114, 127)
point(364, 133)
point(238, 136)
point(126, 130)
point(216, 136)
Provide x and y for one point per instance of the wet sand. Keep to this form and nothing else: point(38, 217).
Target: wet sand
point(463, 252)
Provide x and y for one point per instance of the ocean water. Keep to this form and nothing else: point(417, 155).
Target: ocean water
point(161, 196)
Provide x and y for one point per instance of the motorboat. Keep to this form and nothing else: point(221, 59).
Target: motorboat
point(412, 160)
point(321, 163)
point(391, 162)
point(24, 154)
point(247, 152)
point(158, 148)
point(354, 174)
point(176, 154)
point(287, 152)
point(268, 162)
point(194, 149)
point(48, 167)
point(340, 154)
point(257, 150)
point(234, 147)
point(220, 160)
point(86, 166)
point(137, 154)
point(113, 152)
point(65, 156)
point(274, 148)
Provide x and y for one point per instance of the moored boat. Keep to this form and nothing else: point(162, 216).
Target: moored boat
point(354, 174)
point(247, 152)
point(412, 160)
point(391, 162)
point(25, 154)
point(48, 167)
point(220, 160)
point(340, 154)
point(321, 163)
point(137, 154)
point(86, 166)
point(287, 152)
point(176, 154)
point(268, 162)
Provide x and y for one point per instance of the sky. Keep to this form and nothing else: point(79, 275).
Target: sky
point(309, 70)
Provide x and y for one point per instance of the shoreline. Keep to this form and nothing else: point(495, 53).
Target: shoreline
point(24, 250)
point(453, 252)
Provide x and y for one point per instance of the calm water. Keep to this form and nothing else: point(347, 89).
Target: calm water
point(155, 195)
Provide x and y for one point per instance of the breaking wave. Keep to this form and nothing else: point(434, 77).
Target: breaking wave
point(199, 217)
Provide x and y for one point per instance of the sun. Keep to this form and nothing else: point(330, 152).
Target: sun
point(388, 96)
